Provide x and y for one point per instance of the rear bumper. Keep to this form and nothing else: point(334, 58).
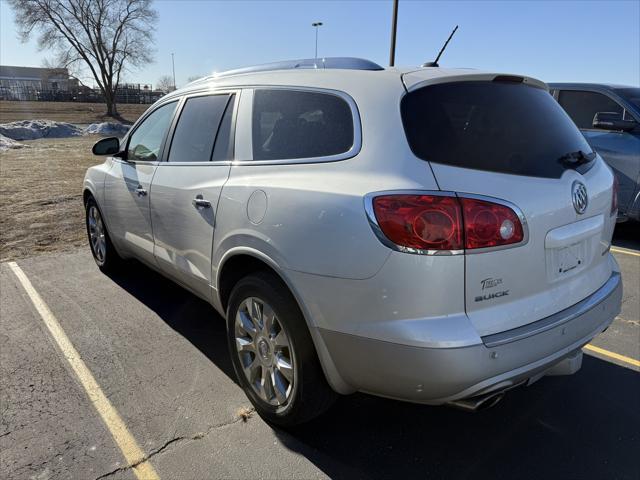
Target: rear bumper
point(441, 375)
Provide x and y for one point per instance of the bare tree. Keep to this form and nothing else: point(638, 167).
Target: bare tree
point(165, 83)
point(106, 36)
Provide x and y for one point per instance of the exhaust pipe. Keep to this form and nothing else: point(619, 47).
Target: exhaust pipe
point(484, 401)
point(481, 402)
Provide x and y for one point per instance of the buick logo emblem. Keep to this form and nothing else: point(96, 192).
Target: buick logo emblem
point(579, 196)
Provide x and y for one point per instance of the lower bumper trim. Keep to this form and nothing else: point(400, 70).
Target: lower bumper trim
point(557, 319)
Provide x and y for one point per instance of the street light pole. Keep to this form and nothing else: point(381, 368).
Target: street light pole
point(316, 25)
point(173, 66)
point(394, 24)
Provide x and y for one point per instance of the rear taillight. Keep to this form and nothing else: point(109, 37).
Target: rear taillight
point(614, 195)
point(436, 222)
point(488, 224)
point(424, 222)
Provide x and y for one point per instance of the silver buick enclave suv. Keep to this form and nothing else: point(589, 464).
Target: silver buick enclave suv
point(427, 234)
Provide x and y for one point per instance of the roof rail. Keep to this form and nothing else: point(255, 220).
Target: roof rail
point(347, 63)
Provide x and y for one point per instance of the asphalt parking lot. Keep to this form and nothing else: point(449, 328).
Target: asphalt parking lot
point(159, 355)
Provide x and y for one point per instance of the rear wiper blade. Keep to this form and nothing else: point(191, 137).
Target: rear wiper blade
point(573, 159)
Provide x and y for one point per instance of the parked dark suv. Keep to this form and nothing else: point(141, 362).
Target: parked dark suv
point(609, 118)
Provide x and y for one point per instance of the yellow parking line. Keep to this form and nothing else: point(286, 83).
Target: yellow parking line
point(112, 420)
point(625, 251)
point(617, 356)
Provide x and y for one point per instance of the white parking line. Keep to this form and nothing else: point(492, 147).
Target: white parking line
point(112, 420)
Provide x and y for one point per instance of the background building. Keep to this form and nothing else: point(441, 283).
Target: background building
point(28, 83)
point(55, 84)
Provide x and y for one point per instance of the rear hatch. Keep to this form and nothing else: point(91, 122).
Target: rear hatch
point(506, 138)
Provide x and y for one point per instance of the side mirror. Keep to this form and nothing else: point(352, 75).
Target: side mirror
point(612, 121)
point(106, 146)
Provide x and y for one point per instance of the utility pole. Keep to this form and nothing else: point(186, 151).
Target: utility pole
point(173, 66)
point(316, 25)
point(394, 24)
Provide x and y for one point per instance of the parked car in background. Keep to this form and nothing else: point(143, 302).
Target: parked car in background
point(433, 235)
point(609, 118)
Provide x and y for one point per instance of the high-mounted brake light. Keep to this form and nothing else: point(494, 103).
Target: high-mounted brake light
point(436, 222)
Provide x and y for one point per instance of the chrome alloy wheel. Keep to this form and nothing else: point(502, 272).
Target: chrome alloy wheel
point(265, 352)
point(97, 234)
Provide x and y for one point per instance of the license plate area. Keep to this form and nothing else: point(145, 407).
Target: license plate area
point(566, 261)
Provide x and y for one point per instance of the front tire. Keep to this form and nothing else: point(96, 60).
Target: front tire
point(273, 354)
point(102, 249)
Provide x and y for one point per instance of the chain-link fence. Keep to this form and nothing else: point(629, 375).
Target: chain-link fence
point(125, 94)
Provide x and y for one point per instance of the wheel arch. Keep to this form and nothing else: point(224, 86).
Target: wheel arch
point(86, 193)
point(240, 262)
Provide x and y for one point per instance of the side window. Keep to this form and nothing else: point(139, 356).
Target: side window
point(146, 140)
point(582, 106)
point(290, 124)
point(223, 149)
point(197, 128)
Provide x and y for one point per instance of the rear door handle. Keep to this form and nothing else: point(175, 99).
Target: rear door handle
point(200, 202)
point(141, 191)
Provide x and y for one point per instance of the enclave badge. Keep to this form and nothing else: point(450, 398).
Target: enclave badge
point(579, 196)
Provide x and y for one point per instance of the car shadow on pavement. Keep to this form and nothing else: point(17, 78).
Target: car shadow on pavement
point(583, 426)
point(188, 315)
point(627, 235)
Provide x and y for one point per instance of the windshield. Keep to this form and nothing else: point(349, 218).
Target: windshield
point(497, 126)
point(631, 95)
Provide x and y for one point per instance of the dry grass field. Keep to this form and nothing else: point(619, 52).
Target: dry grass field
point(41, 185)
point(41, 196)
point(71, 112)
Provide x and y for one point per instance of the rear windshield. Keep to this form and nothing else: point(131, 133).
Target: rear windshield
point(498, 126)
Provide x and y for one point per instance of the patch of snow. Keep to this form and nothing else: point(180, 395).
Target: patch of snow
point(7, 143)
point(33, 129)
point(107, 128)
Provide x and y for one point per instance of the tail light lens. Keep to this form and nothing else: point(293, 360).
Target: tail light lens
point(614, 195)
point(425, 222)
point(488, 224)
point(433, 222)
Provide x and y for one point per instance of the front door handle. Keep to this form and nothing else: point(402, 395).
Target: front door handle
point(200, 202)
point(141, 191)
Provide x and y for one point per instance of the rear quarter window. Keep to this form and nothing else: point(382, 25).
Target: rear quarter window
point(293, 124)
point(496, 126)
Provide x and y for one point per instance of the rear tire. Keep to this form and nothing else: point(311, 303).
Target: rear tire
point(102, 249)
point(272, 352)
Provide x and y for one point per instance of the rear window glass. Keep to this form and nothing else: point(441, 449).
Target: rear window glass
point(223, 149)
point(496, 126)
point(289, 124)
point(197, 128)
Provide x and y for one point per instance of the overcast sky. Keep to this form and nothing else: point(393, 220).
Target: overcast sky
point(586, 41)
